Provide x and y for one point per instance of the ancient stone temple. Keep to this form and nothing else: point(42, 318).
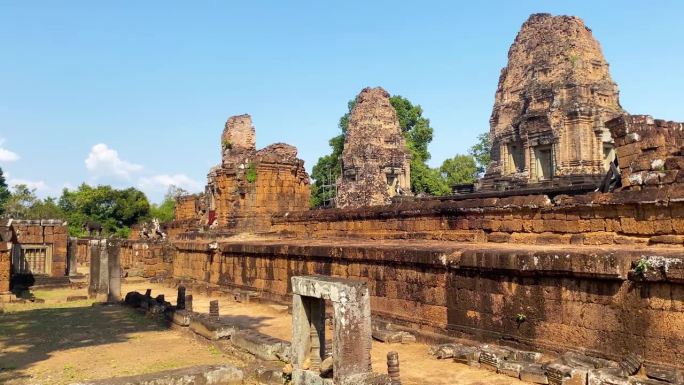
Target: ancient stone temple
point(547, 127)
point(375, 160)
point(249, 185)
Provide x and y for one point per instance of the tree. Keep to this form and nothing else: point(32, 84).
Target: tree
point(4, 192)
point(116, 210)
point(45, 209)
point(165, 211)
point(19, 203)
point(459, 170)
point(418, 134)
point(481, 152)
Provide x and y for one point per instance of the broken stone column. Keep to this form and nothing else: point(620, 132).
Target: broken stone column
point(180, 299)
point(351, 327)
point(214, 309)
point(393, 368)
point(72, 256)
point(105, 270)
point(188, 302)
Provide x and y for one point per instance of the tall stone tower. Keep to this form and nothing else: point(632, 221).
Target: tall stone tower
point(547, 126)
point(375, 160)
point(238, 140)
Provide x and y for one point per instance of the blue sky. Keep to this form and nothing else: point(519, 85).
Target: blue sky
point(135, 93)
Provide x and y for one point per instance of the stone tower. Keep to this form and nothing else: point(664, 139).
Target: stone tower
point(547, 127)
point(238, 140)
point(375, 160)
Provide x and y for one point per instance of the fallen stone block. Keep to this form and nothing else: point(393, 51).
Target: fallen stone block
point(244, 296)
point(534, 373)
point(211, 328)
point(648, 381)
point(671, 375)
point(261, 345)
point(267, 376)
point(180, 317)
point(525, 356)
point(445, 350)
point(606, 376)
point(492, 356)
point(511, 368)
point(580, 360)
point(631, 364)
point(559, 373)
point(468, 355)
point(196, 375)
point(393, 337)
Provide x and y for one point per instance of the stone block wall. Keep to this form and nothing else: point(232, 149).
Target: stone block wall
point(5, 266)
point(52, 233)
point(650, 151)
point(626, 217)
point(146, 259)
point(248, 205)
point(186, 207)
point(572, 298)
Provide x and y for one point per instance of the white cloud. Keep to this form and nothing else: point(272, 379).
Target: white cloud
point(7, 155)
point(163, 181)
point(104, 161)
point(40, 186)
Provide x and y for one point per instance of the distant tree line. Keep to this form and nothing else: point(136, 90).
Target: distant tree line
point(462, 168)
point(116, 210)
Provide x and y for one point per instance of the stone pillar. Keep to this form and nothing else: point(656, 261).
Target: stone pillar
point(72, 256)
point(103, 277)
point(214, 308)
point(301, 330)
point(180, 299)
point(188, 302)
point(114, 271)
point(317, 332)
point(352, 336)
point(94, 276)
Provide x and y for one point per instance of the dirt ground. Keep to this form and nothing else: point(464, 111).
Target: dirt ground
point(61, 342)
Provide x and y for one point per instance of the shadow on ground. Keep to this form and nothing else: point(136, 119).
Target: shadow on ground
point(30, 336)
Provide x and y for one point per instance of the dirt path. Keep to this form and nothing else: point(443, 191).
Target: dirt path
point(60, 343)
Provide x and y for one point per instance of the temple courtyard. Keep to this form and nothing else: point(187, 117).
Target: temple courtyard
point(114, 341)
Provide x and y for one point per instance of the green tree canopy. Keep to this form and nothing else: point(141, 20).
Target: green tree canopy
point(116, 210)
point(480, 151)
point(459, 170)
point(20, 202)
point(166, 210)
point(4, 192)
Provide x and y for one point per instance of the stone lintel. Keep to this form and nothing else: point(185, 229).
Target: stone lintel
point(330, 288)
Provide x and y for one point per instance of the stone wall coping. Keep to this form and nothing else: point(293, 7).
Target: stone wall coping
point(436, 207)
point(604, 263)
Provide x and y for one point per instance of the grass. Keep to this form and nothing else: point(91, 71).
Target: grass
point(214, 351)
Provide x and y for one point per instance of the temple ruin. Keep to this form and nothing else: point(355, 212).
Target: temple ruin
point(249, 185)
point(551, 105)
point(375, 160)
point(549, 288)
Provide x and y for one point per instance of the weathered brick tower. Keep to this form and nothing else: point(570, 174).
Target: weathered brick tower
point(547, 127)
point(375, 160)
